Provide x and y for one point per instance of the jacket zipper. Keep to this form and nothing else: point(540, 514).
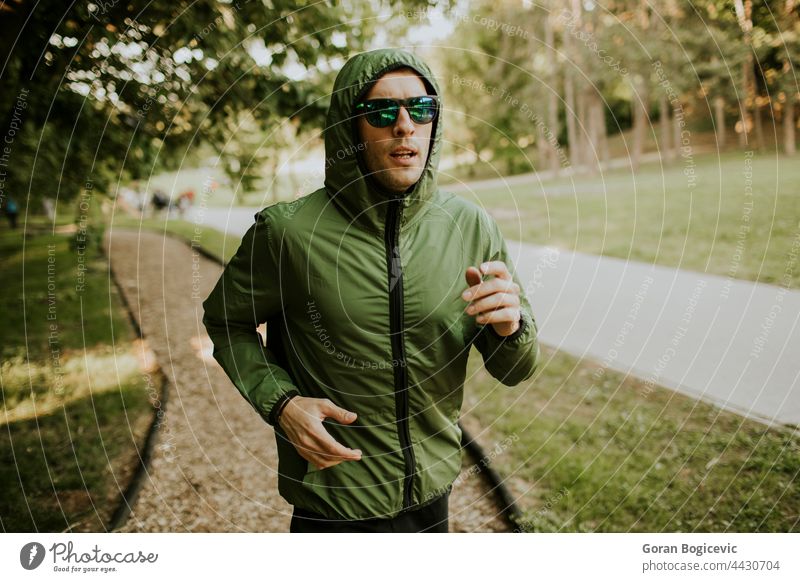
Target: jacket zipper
point(391, 239)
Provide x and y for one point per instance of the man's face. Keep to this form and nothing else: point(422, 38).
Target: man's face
point(384, 145)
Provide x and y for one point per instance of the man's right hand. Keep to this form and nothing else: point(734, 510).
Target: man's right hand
point(301, 420)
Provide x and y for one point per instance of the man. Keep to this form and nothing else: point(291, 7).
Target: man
point(373, 293)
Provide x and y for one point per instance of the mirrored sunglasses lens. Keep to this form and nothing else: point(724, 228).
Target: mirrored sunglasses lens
point(380, 112)
point(423, 110)
point(422, 113)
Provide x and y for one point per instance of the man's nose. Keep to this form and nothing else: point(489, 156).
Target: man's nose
point(403, 125)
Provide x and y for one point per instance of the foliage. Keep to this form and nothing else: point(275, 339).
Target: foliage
point(627, 53)
point(108, 91)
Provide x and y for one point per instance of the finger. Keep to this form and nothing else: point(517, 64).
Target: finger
point(323, 459)
point(330, 410)
point(505, 315)
point(496, 268)
point(330, 449)
point(474, 280)
point(496, 285)
point(486, 288)
point(494, 301)
point(473, 276)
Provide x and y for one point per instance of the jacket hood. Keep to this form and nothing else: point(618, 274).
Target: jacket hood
point(358, 197)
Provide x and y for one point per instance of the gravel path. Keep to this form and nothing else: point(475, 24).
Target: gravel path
point(215, 465)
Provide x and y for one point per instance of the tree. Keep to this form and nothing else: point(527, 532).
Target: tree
point(121, 89)
point(785, 41)
point(493, 83)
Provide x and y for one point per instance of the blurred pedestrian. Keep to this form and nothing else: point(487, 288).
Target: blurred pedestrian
point(160, 201)
point(12, 210)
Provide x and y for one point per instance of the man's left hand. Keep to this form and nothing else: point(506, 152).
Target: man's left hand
point(495, 301)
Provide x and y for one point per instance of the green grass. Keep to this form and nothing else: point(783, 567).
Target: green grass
point(75, 403)
point(83, 315)
point(67, 469)
point(590, 450)
point(657, 215)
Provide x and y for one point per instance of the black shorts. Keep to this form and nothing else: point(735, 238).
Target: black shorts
point(431, 518)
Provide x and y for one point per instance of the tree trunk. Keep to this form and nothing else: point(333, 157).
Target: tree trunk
point(597, 131)
point(553, 124)
point(542, 148)
point(605, 155)
point(552, 101)
point(640, 97)
point(592, 156)
point(789, 145)
point(571, 91)
point(677, 116)
point(666, 131)
point(744, 11)
point(759, 126)
point(744, 106)
point(585, 145)
point(719, 121)
point(789, 125)
point(641, 120)
point(572, 133)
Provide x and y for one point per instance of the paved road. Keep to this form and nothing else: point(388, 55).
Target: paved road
point(733, 343)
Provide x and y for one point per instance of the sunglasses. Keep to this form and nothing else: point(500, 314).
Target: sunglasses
point(384, 112)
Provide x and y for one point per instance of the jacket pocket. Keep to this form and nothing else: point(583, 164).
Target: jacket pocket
point(342, 434)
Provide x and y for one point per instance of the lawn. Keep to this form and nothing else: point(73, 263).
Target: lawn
point(585, 448)
point(76, 403)
point(732, 214)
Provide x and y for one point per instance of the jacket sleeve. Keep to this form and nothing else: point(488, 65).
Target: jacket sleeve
point(513, 358)
point(246, 295)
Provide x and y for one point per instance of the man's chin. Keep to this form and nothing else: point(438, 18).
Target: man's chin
point(401, 180)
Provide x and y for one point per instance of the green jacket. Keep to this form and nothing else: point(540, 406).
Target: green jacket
point(361, 292)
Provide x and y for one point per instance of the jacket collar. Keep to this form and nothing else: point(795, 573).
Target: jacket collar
point(358, 197)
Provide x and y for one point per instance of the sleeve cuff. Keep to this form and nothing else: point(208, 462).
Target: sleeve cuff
point(276, 408)
point(523, 324)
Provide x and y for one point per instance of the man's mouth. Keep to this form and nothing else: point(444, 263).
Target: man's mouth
point(403, 154)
